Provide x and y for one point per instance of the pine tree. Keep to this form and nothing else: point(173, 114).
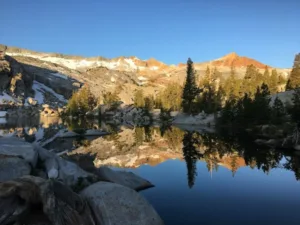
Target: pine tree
point(111, 99)
point(191, 156)
point(228, 114)
point(262, 104)
point(232, 85)
point(296, 106)
point(278, 111)
point(207, 102)
point(216, 75)
point(294, 80)
point(149, 102)
point(81, 102)
point(139, 100)
point(190, 90)
point(171, 97)
point(273, 84)
point(244, 110)
point(266, 76)
point(250, 80)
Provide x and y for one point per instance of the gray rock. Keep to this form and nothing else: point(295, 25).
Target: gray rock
point(70, 173)
point(45, 106)
point(94, 133)
point(32, 101)
point(12, 168)
point(43, 153)
point(62, 169)
point(51, 167)
point(114, 204)
point(297, 147)
point(274, 142)
point(17, 147)
point(59, 203)
point(127, 179)
point(68, 134)
point(3, 48)
point(260, 141)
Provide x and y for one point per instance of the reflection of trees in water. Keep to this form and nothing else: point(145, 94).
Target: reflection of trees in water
point(229, 151)
point(139, 135)
point(81, 124)
point(293, 163)
point(148, 133)
point(174, 137)
point(233, 153)
point(191, 156)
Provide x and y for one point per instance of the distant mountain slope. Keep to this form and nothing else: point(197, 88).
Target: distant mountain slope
point(65, 73)
point(233, 59)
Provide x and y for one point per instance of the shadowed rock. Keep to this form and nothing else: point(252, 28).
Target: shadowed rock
point(18, 147)
point(127, 179)
point(12, 167)
point(60, 204)
point(115, 204)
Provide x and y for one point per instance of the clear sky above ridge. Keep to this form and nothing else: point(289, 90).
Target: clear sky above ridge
point(168, 30)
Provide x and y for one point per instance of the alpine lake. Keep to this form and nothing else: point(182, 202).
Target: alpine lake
point(200, 177)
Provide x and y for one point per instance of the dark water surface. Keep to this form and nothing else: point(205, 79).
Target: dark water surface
point(199, 177)
point(250, 197)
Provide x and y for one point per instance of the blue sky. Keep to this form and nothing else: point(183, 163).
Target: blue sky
point(170, 31)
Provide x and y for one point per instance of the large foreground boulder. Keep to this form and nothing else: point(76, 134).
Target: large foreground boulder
point(68, 172)
point(12, 167)
point(17, 147)
point(114, 204)
point(60, 205)
point(127, 179)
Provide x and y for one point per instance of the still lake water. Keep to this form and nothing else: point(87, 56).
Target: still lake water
point(199, 177)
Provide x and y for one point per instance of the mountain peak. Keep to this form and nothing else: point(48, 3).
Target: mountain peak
point(233, 59)
point(231, 55)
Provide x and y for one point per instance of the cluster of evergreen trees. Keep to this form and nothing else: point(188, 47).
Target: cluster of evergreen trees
point(294, 80)
point(213, 90)
point(168, 99)
point(257, 110)
point(81, 102)
point(241, 101)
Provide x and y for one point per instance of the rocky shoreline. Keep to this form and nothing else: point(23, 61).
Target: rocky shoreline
point(39, 187)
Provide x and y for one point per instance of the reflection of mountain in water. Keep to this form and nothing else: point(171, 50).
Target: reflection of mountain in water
point(32, 129)
point(132, 148)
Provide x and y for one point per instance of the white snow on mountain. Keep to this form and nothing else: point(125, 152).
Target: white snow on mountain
point(40, 89)
point(6, 97)
point(60, 75)
point(80, 63)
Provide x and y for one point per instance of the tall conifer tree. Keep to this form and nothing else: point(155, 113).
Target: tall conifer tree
point(190, 90)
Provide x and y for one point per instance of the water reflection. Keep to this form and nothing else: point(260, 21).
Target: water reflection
point(32, 129)
point(131, 148)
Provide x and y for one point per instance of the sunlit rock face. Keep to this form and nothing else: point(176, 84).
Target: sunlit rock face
point(65, 73)
point(132, 148)
point(13, 78)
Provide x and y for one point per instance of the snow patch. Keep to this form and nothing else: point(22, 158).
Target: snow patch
point(154, 68)
point(286, 97)
point(200, 119)
point(80, 63)
point(3, 113)
point(141, 78)
point(40, 89)
point(39, 135)
point(131, 63)
point(6, 97)
point(60, 75)
point(2, 120)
